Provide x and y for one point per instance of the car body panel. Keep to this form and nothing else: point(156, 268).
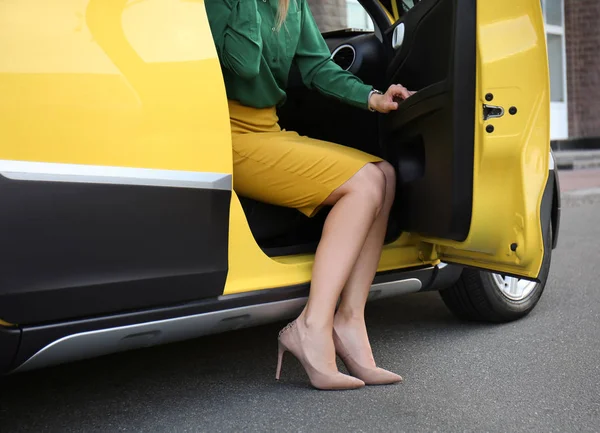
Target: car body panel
point(109, 83)
point(251, 269)
point(10, 338)
point(85, 242)
point(115, 164)
point(100, 87)
point(511, 163)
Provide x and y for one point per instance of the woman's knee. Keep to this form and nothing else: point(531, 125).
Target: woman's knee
point(390, 178)
point(388, 171)
point(370, 182)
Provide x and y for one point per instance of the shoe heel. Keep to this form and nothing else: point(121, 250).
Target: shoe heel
point(280, 351)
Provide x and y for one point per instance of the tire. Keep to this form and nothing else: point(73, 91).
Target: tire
point(478, 296)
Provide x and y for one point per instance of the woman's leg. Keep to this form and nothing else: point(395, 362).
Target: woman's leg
point(350, 320)
point(356, 206)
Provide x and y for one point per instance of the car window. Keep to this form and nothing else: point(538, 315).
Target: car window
point(357, 17)
point(333, 15)
point(408, 4)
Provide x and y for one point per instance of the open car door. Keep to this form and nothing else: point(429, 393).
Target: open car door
point(471, 147)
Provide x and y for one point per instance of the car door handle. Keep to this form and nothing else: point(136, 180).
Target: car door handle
point(398, 36)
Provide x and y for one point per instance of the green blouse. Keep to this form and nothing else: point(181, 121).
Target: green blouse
point(256, 57)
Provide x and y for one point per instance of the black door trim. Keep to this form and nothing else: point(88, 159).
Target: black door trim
point(430, 138)
point(82, 241)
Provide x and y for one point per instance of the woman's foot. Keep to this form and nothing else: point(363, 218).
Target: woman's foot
point(352, 345)
point(315, 350)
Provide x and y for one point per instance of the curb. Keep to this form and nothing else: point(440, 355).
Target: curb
point(576, 143)
point(580, 195)
point(577, 159)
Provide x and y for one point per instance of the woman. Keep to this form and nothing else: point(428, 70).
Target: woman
point(256, 41)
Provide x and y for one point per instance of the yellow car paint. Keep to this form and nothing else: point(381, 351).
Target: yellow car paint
point(250, 269)
point(396, 10)
point(107, 82)
point(511, 164)
point(389, 16)
point(6, 324)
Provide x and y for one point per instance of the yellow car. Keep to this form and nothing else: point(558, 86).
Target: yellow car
point(119, 225)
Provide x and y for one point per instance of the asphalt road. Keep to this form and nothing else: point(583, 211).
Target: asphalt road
point(540, 374)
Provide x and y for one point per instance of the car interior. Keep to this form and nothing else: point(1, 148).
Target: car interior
point(429, 140)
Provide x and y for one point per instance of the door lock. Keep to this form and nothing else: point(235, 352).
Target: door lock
point(492, 111)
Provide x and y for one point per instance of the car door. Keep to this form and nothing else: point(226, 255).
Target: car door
point(115, 163)
point(471, 147)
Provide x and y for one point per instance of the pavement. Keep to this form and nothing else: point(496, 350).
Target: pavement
point(583, 180)
point(580, 186)
point(538, 374)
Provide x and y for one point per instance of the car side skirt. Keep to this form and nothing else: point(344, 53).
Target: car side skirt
point(47, 345)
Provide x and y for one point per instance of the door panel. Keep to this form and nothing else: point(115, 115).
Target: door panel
point(430, 137)
point(470, 186)
point(115, 164)
point(112, 82)
point(90, 244)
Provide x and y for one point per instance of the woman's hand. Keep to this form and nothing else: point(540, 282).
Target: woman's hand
point(387, 102)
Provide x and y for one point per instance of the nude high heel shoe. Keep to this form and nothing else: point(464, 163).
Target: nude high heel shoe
point(289, 340)
point(369, 375)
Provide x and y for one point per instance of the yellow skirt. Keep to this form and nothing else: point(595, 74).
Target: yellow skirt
point(283, 168)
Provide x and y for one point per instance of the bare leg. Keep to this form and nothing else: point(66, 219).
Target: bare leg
point(356, 205)
point(350, 320)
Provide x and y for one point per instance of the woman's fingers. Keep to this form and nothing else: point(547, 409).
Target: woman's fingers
point(388, 106)
point(399, 91)
point(389, 102)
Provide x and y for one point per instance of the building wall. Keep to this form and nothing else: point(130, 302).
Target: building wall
point(582, 32)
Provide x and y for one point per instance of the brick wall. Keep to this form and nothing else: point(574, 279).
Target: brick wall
point(329, 14)
point(582, 32)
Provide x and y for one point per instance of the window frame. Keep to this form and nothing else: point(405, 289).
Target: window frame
point(558, 30)
point(559, 110)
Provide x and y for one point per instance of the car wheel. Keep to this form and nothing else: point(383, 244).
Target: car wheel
point(490, 297)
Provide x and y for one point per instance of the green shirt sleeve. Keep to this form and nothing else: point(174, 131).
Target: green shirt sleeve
point(319, 71)
point(235, 25)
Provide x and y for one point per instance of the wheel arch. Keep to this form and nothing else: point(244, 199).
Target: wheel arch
point(556, 209)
